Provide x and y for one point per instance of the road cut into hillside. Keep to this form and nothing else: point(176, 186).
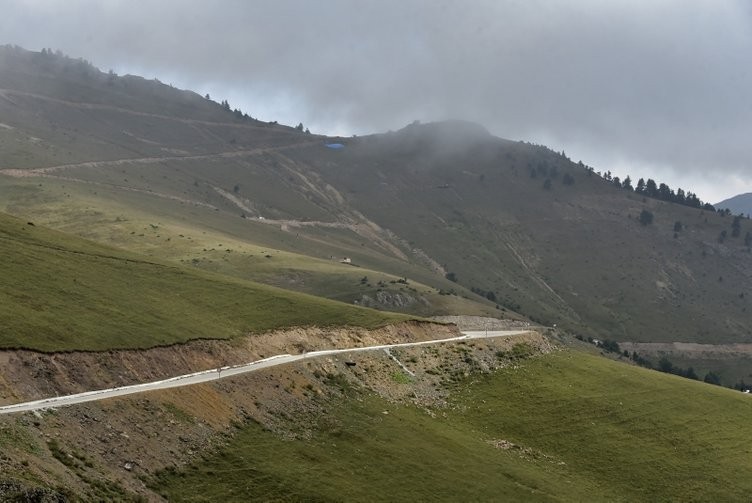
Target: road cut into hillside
point(230, 371)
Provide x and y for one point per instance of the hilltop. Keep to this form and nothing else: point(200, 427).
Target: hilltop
point(432, 219)
point(548, 237)
point(149, 232)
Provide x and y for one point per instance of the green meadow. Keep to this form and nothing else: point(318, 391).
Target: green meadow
point(562, 427)
point(62, 293)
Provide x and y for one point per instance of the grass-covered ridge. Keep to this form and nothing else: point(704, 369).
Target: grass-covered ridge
point(562, 427)
point(63, 293)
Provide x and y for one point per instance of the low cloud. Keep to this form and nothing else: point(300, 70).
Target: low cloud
point(662, 85)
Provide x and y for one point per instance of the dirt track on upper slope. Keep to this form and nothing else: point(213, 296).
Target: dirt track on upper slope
point(18, 173)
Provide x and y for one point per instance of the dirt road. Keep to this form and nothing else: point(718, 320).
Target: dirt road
point(223, 372)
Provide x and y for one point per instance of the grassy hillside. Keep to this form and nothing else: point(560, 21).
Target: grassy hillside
point(64, 293)
point(63, 110)
point(304, 259)
point(563, 427)
point(417, 203)
point(143, 152)
point(574, 254)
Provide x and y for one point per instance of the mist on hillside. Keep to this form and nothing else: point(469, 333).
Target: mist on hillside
point(648, 90)
point(375, 251)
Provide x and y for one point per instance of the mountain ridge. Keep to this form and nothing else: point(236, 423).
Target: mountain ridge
point(489, 225)
point(191, 210)
point(740, 204)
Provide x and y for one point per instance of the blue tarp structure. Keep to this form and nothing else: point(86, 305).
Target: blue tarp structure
point(335, 146)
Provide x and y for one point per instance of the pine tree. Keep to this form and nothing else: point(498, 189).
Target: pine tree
point(640, 186)
point(736, 226)
point(651, 189)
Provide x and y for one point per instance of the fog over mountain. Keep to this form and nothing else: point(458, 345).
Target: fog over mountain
point(655, 89)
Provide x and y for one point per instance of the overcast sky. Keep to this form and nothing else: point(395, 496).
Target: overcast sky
point(652, 88)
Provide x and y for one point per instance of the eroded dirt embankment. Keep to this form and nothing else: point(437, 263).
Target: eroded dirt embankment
point(29, 375)
point(111, 448)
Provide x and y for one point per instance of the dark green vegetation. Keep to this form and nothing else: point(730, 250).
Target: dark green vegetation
point(64, 293)
point(562, 427)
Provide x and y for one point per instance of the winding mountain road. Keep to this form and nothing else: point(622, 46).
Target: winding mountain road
point(223, 372)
